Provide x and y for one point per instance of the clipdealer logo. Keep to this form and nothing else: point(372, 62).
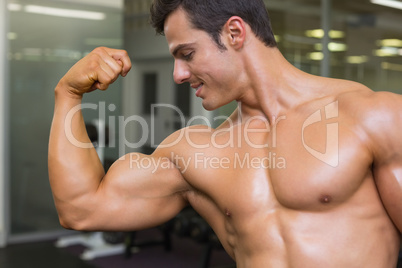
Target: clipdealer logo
point(207, 162)
point(326, 115)
point(331, 154)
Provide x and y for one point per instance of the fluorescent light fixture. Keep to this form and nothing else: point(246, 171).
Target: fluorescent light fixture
point(337, 47)
point(14, 7)
point(390, 43)
point(391, 66)
point(12, 36)
point(387, 52)
point(333, 47)
point(67, 13)
point(357, 59)
point(388, 3)
point(319, 33)
point(315, 56)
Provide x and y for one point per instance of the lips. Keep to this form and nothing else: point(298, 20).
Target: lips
point(198, 88)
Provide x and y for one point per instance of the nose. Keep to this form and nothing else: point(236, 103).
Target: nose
point(181, 74)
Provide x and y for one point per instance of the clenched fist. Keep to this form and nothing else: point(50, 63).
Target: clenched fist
point(97, 70)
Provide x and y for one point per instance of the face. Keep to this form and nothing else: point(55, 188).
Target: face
point(210, 71)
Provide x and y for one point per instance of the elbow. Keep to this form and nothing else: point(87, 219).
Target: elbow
point(67, 224)
point(72, 222)
point(76, 214)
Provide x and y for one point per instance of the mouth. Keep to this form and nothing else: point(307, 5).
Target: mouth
point(198, 89)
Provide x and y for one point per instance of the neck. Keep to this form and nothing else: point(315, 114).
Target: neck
point(273, 85)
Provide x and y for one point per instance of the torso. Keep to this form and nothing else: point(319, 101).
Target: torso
point(306, 199)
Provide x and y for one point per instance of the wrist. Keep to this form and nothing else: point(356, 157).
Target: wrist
point(62, 91)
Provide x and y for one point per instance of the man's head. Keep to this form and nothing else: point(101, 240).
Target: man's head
point(211, 15)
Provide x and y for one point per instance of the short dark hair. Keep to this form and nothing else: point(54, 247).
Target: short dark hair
point(211, 15)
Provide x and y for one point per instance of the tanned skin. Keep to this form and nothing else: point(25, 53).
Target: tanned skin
point(332, 198)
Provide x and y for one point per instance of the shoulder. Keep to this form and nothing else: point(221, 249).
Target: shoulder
point(369, 107)
point(373, 109)
point(379, 116)
point(367, 100)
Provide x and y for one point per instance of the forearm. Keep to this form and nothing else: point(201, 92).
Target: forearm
point(75, 170)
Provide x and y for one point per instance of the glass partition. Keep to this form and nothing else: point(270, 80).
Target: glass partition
point(365, 39)
point(45, 39)
point(290, 20)
point(372, 44)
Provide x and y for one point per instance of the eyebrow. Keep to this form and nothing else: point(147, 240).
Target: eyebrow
point(180, 47)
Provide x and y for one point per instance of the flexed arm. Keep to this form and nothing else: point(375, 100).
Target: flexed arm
point(85, 198)
point(76, 170)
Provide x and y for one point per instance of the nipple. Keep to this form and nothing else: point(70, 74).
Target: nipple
point(325, 199)
point(227, 213)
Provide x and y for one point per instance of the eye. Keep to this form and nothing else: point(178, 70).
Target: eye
point(188, 56)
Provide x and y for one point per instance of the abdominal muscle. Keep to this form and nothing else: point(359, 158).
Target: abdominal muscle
point(319, 239)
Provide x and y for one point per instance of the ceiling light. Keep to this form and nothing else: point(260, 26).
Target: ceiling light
point(391, 66)
point(14, 7)
point(319, 33)
point(337, 47)
point(388, 3)
point(12, 36)
point(357, 59)
point(336, 34)
point(68, 13)
point(390, 43)
point(386, 52)
point(315, 56)
point(333, 47)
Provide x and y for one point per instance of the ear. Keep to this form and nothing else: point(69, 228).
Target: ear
point(235, 31)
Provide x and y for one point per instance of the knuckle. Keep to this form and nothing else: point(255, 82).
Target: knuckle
point(103, 86)
point(92, 61)
point(108, 80)
point(99, 50)
point(125, 53)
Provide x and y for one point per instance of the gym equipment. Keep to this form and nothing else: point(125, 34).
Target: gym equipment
point(188, 223)
point(200, 230)
point(97, 247)
point(114, 238)
point(182, 222)
point(132, 246)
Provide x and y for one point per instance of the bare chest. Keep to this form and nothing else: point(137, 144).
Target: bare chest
point(309, 162)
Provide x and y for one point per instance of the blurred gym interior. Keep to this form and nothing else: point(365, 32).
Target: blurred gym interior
point(37, 47)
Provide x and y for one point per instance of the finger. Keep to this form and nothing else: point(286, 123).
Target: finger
point(114, 65)
point(126, 67)
point(105, 77)
point(101, 77)
point(112, 70)
point(98, 86)
point(122, 58)
point(121, 61)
